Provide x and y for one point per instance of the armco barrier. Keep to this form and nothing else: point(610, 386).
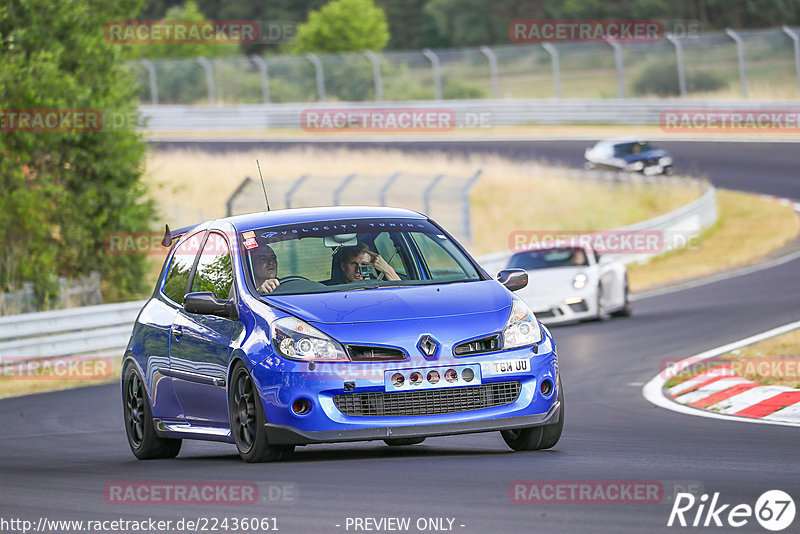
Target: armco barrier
point(105, 329)
point(77, 331)
point(470, 115)
point(690, 219)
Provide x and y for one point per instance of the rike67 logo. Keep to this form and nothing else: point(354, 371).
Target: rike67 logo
point(774, 510)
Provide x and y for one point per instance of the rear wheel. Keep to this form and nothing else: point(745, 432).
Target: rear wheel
point(401, 442)
point(142, 438)
point(537, 437)
point(248, 420)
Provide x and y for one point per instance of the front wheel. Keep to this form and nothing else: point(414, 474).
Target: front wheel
point(627, 309)
point(537, 437)
point(248, 420)
point(142, 438)
point(602, 311)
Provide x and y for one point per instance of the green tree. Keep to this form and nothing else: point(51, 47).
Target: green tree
point(343, 26)
point(64, 191)
point(188, 12)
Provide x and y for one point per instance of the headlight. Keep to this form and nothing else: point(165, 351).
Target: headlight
point(635, 166)
point(580, 281)
point(664, 161)
point(297, 340)
point(522, 327)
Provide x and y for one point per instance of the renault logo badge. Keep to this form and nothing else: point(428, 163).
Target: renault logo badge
point(427, 346)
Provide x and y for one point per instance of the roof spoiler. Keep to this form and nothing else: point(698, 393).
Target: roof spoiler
point(171, 235)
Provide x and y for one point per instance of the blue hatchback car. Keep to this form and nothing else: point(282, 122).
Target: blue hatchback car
point(321, 325)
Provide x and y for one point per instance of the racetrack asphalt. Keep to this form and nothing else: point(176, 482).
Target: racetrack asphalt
point(59, 450)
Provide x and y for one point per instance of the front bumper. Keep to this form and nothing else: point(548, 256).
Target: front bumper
point(282, 383)
point(287, 435)
point(561, 309)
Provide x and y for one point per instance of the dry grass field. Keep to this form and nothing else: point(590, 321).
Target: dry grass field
point(192, 186)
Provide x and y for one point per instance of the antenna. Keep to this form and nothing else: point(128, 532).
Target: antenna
point(264, 187)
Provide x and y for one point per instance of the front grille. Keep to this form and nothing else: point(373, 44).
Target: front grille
point(429, 402)
point(360, 353)
point(579, 306)
point(478, 346)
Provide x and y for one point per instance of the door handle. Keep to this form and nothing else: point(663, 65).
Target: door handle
point(177, 330)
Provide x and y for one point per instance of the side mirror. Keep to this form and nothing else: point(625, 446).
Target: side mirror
point(206, 303)
point(513, 279)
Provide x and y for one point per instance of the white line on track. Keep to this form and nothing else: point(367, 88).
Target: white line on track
point(653, 390)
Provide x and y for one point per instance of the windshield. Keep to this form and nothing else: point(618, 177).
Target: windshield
point(627, 149)
point(545, 259)
point(349, 255)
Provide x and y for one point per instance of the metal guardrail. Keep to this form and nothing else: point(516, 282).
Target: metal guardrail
point(689, 220)
point(490, 113)
point(106, 328)
point(84, 331)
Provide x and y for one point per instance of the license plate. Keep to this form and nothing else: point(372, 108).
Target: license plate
point(506, 367)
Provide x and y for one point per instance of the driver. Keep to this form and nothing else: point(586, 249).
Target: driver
point(265, 268)
point(354, 257)
point(577, 258)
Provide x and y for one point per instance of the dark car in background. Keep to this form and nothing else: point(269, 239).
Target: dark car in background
point(629, 155)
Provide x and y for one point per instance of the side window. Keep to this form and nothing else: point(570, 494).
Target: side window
point(386, 248)
point(440, 263)
point(214, 271)
point(180, 268)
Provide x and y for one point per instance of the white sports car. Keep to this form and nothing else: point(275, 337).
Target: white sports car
point(572, 284)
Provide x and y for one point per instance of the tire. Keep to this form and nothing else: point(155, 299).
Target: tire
point(248, 420)
point(402, 442)
point(627, 309)
point(537, 437)
point(145, 444)
point(602, 313)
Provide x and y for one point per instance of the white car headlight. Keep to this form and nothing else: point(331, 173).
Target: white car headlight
point(522, 328)
point(580, 281)
point(664, 161)
point(298, 340)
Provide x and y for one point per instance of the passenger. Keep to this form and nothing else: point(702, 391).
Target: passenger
point(352, 258)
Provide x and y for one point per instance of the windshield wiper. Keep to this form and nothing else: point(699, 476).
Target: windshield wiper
point(357, 288)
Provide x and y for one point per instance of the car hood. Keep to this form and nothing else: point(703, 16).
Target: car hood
point(396, 303)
